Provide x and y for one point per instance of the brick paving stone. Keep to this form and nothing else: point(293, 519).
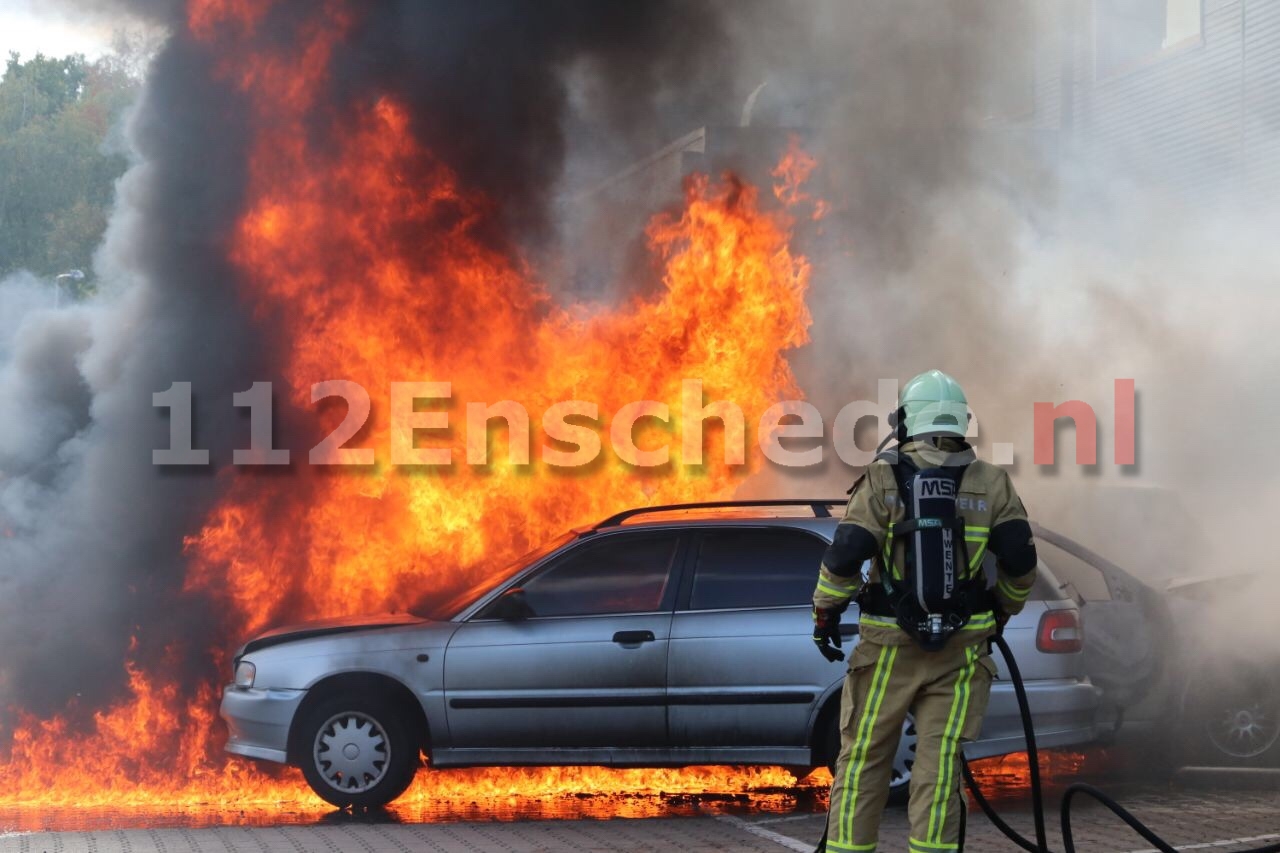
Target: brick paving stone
point(1180, 817)
point(697, 835)
point(1183, 817)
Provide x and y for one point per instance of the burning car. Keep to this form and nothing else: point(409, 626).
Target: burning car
point(666, 636)
point(1175, 662)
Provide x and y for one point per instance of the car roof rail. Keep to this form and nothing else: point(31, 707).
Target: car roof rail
point(821, 508)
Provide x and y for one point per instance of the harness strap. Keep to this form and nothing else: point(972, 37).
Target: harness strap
point(874, 601)
point(956, 525)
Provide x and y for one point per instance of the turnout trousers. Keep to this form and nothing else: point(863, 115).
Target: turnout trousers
point(946, 692)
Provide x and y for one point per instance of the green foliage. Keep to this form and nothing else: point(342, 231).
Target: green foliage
point(57, 166)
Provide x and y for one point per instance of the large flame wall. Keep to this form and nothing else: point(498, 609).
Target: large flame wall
point(365, 259)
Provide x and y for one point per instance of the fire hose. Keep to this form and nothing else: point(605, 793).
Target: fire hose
point(1041, 843)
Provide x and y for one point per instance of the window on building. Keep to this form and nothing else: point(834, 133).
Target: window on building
point(756, 568)
point(1129, 32)
point(1182, 21)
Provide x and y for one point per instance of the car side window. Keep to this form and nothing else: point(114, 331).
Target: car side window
point(620, 574)
point(755, 568)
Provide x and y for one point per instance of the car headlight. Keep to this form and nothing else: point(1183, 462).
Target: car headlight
point(245, 673)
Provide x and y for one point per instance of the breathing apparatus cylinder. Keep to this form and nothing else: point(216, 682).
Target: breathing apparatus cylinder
point(935, 604)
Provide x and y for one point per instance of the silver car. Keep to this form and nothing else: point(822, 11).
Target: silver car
point(660, 637)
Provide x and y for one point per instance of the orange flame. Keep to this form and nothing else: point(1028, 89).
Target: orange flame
point(449, 308)
point(366, 257)
point(790, 175)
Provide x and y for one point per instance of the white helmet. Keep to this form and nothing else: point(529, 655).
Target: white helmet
point(933, 404)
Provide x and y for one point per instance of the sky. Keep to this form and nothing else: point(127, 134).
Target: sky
point(37, 26)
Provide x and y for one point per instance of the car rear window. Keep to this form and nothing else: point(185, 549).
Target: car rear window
point(755, 568)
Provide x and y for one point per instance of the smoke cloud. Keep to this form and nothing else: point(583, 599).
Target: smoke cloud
point(983, 226)
point(95, 555)
point(971, 230)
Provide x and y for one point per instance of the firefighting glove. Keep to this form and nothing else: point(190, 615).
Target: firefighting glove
point(1001, 615)
point(1002, 619)
point(826, 633)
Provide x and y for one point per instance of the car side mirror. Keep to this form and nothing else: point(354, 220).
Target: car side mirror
point(513, 606)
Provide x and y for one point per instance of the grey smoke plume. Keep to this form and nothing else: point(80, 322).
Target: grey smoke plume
point(95, 558)
point(981, 228)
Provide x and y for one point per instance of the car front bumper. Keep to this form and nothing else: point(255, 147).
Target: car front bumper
point(259, 720)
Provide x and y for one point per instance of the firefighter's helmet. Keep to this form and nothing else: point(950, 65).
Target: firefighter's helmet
point(933, 404)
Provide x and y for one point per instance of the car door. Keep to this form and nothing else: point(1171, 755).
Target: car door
point(587, 668)
point(1125, 621)
point(743, 670)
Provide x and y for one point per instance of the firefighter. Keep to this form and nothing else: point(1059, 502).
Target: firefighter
point(924, 514)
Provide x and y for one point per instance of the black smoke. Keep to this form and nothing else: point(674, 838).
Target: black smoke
point(95, 553)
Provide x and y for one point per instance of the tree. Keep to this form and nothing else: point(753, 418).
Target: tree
point(57, 175)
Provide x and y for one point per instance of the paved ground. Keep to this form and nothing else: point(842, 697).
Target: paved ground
point(1224, 814)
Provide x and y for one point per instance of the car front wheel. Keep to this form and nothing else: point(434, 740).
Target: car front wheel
point(357, 752)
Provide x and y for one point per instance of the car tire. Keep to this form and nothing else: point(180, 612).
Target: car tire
point(357, 752)
point(900, 780)
point(1231, 717)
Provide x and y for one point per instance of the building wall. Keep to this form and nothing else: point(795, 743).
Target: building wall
point(1261, 25)
point(1201, 118)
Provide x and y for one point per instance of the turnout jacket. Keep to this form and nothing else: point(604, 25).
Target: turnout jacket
point(994, 519)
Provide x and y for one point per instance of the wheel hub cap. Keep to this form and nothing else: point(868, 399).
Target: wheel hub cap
point(1244, 732)
point(905, 758)
point(351, 752)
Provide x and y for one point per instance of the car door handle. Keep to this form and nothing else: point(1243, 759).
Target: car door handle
point(630, 638)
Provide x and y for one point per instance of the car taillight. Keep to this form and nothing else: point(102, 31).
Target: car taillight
point(1060, 632)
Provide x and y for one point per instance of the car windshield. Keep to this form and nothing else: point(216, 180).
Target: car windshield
point(450, 607)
